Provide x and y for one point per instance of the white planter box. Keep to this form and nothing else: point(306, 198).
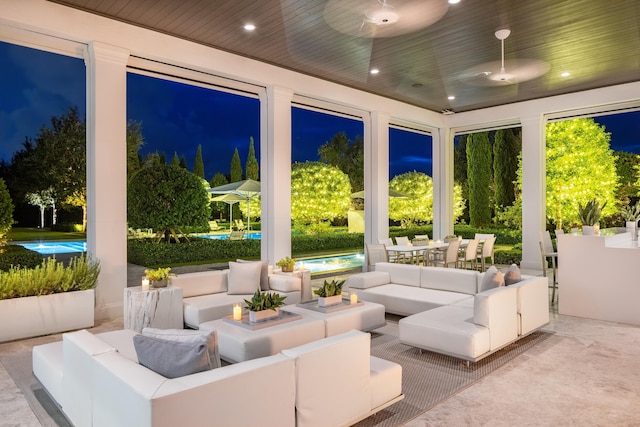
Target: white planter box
point(257, 316)
point(325, 301)
point(47, 314)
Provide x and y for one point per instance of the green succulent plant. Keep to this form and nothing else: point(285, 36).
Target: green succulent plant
point(631, 213)
point(286, 263)
point(158, 274)
point(590, 213)
point(330, 289)
point(265, 301)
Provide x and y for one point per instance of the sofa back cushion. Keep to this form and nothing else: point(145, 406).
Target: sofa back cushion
point(449, 279)
point(401, 274)
point(497, 310)
point(264, 273)
point(332, 380)
point(369, 279)
point(244, 277)
point(189, 336)
point(201, 283)
point(173, 359)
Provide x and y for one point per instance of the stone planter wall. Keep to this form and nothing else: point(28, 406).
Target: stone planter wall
point(47, 314)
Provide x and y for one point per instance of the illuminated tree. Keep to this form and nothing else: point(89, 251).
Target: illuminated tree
point(319, 192)
point(6, 212)
point(418, 207)
point(479, 169)
point(235, 170)
point(580, 167)
point(506, 147)
point(251, 167)
point(42, 199)
point(347, 155)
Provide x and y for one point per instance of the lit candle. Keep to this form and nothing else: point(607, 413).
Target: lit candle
point(354, 298)
point(430, 242)
point(237, 312)
point(459, 238)
point(301, 266)
point(438, 241)
point(270, 269)
point(145, 284)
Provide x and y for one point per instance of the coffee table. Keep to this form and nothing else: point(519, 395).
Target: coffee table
point(365, 316)
point(238, 343)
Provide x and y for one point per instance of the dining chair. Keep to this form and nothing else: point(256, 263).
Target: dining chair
point(393, 256)
point(402, 240)
point(376, 252)
point(450, 256)
point(421, 237)
point(420, 254)
point(469, 255)
point(486, 251)
point(481, 236)
point(547, 253)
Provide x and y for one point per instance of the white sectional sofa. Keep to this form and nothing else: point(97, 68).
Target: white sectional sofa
point(97, 380)
point(448, 310)
point(209, 295)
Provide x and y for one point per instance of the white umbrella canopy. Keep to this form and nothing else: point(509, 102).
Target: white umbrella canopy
point(229, 199)
point(247, 189)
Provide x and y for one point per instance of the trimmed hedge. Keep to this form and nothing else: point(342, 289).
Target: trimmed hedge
point(18, 256)
point(503, 235)
point(309, 243)
point(508, 257)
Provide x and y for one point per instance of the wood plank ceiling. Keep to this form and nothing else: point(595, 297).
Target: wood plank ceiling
point(596, 41)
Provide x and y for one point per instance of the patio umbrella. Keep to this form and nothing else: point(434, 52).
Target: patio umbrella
point(247, 189)
point(229, 199)
point(392, 193)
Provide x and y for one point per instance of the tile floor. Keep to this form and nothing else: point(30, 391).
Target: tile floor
point(587, 374)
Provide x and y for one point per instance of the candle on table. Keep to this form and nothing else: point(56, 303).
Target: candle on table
point(438, 241)
point(145, 284)
point(237, 312)
point(270, 269)
point(354, 298)
point(301, 267)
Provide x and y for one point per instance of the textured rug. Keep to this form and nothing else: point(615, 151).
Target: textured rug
point(430, 378)
point(427, 378)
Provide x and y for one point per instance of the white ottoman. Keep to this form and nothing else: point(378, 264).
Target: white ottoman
point(364, 317)
point(238, 344)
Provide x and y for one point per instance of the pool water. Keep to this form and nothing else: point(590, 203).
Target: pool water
point(52, 248)
point(333, 263)
point(251, 235)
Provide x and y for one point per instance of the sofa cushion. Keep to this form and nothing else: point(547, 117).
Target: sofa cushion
point(188, 336)
point(512, 275)
point(492, 278)
point(406, 300)
point(282, 283)
point(368, 280)
point(244, 278)
point(400, 273)
point(264, 273)
point(449, 279)
point(201, 283)
point(497, 310)
point(173, 359)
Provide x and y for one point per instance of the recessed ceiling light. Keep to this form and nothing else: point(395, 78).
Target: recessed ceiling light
point(374, 71)
point(451, 98)
point(249, 27)
point(454, 1)
point(565, 74)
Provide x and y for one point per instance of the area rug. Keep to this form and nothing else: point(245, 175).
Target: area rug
point(430, 378)
point(427, 378)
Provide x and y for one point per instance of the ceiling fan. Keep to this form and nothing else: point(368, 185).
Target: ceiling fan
point(383, 18)
point(504, 72)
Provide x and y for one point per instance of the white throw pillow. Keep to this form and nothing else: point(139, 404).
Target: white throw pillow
point(512, 275)
point(492, 279)
point(264, 273)
point(244, 278)
point(189, 336)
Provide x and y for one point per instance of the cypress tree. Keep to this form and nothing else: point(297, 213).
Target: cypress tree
point(506, 147)
point(175, 161)
point(251, 167)
point(198, 163)
point(479, 169)
point(183, 163)
point(235, 171)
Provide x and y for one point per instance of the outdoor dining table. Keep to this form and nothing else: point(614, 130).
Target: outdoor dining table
point(414, 250)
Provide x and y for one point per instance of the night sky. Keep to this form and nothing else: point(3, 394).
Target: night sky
point(37, 85)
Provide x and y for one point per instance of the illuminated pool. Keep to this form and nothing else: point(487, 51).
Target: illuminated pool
point(332, 263)
point(251, 235)
point(52, 248)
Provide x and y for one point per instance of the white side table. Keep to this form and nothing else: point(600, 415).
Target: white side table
point(305, 276)
point(155, 308)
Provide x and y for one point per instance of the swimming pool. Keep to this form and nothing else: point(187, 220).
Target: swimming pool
point(251, 235)
point(52, 248)
point(331, 263)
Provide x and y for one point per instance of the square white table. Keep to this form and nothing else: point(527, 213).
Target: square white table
point(237, 344)
point(366, 316)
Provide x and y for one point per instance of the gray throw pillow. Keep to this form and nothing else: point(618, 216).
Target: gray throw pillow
point(264, 273)
point(492, 279)
point(189, 336)
point(172, 359)
point(512, 275)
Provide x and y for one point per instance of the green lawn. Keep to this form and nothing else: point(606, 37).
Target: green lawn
point(25, 234)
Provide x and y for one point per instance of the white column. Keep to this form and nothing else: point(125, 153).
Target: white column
point(442, 183)
point(275, 164)
point(533, 189)
point(376, 177)
point(107, 173)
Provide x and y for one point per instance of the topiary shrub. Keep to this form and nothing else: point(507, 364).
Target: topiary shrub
point(18, 256)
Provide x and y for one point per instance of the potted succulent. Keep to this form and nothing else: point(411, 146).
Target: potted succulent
point(330, 293)
point(286, 264)
point(631, 214)
point(264, 305)
point(590, 215)
point(159, 277)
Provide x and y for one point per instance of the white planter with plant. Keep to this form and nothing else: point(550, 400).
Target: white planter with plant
point(48, 299)
point(590, 216)
point(158, 278)
point(264, 305)
point(286, 264)
point(330, 293)
point(631, 214)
